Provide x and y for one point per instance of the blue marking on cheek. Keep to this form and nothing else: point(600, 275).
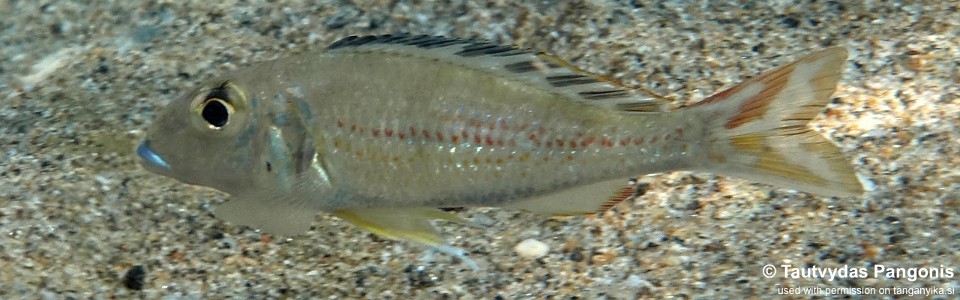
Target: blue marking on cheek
point(280, 157)
point(304, 107)
point(245, 138)
point(280, 119)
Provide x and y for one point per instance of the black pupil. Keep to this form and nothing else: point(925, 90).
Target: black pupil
point(215, 113)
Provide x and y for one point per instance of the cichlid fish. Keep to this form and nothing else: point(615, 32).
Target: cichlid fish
point(383, 130)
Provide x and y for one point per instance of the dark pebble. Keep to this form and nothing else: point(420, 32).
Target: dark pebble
point(576, 256)
point(790, 22)
point(135, 277)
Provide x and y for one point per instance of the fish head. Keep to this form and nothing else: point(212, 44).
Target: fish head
point(207, 137)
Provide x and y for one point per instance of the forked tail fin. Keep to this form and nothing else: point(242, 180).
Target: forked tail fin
point(758, 130)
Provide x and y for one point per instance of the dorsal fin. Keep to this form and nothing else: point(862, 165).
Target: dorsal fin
point(540, 69)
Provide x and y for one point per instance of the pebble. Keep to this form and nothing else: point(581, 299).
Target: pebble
point(532, 249)
point(135, 277)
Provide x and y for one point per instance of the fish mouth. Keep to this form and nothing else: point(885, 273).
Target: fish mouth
point(151, 159)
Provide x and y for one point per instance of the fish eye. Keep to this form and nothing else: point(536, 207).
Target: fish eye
point(216, 112)
point(221, 108)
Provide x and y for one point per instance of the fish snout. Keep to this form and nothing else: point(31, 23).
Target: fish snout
point(150, 159)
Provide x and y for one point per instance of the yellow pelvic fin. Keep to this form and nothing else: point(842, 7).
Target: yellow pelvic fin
point(412, 224)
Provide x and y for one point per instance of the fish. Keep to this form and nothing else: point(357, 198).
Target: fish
point(383, 131)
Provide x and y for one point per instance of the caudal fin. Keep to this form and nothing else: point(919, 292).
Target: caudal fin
point(758, 130)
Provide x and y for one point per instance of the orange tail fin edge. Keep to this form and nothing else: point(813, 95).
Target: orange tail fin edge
point(758, 130)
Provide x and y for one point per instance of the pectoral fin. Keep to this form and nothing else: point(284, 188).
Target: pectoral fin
point(272, 215)
point(412, 224)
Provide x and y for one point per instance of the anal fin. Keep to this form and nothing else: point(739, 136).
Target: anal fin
point(412, 224)
point(582, 200)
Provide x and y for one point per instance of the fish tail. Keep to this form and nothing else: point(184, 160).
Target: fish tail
point(758, 130)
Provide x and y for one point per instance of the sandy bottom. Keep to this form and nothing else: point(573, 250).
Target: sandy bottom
point(79, 218)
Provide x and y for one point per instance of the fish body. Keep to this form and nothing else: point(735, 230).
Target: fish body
point(381, 130)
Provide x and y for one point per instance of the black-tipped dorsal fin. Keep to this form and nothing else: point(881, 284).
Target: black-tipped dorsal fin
point(540, 69)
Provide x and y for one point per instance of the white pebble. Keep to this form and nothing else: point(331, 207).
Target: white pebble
point(532, 249)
